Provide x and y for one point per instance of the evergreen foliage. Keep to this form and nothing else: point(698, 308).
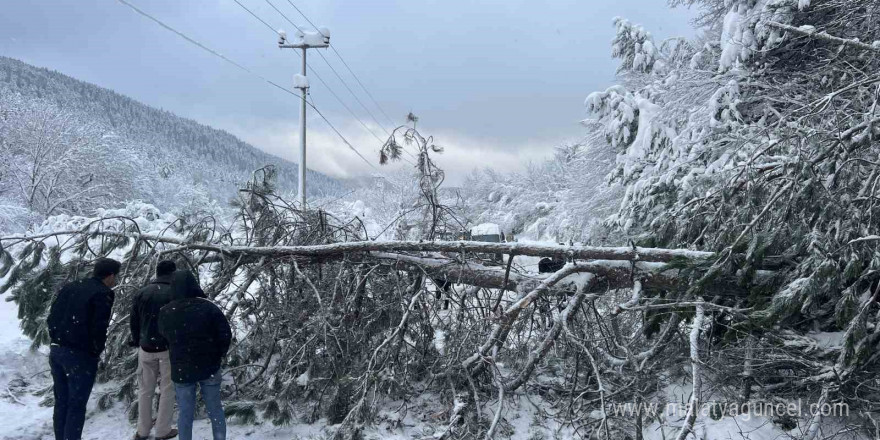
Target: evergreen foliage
point(758, 140)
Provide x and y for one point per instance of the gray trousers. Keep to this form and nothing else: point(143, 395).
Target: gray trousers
point(153, 369)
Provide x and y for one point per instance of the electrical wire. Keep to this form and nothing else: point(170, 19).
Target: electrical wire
point(366, 127)
point(339, 55)
point(282, 14)
point(245, 69)
point(257, 17)
point(346, 65)
point(353, 114)
point(354, 94)
point(326, 61)
point(330, 89)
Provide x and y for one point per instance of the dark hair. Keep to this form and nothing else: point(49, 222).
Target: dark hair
point(105, 267)
point(165, 267)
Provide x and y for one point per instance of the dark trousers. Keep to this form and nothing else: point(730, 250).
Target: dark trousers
point(74, 375)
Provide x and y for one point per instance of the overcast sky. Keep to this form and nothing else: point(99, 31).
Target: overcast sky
point(496, 83)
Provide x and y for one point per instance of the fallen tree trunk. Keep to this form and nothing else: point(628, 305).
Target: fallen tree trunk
point(624, 254)
point(612, 274)
point(613, 265)
point(528, 249)
point(470, 273)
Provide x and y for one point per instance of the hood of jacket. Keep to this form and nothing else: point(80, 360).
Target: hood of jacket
point(184, 285)
point(164, 279)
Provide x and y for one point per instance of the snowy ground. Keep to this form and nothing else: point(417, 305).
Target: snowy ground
point(21, 371)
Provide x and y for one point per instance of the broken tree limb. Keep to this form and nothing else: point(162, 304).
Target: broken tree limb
point(134, 235)
point(596, 372)
point(693, 407)
point(501, 329)
point(474, 274)
point(810, 32)
point(536, 355)
point(644, 356)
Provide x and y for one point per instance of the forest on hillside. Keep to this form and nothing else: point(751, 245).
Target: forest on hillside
point(73, 146)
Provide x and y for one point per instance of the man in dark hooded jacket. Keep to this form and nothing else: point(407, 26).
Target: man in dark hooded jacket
point(78, 321)
point(154, 365)
point(198, 336)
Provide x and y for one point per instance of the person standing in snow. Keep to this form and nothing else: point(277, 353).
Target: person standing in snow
point(198, 336)
point(78, 321)
point(154, 364)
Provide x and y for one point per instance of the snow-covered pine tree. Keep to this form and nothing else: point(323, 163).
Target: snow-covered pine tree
point(759, 139)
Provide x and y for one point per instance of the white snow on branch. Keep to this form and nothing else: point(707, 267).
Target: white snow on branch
point(824, 36)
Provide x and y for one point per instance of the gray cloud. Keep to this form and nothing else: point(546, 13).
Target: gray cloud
point(503, 80)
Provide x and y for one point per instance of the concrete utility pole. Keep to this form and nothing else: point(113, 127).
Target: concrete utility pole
point(304, 40)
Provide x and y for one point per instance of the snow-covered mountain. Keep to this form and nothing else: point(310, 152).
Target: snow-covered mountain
point(164, 147)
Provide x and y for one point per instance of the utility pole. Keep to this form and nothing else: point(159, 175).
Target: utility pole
point(304, 41)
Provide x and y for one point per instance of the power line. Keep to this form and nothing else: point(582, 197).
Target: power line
point(346, 65)
point(330, 65)
point(391, 121)
point(343, 138)
point(330, 89)
point(340, 79)
point(304, 16)
point(343, 81)
point(275, 31)
point(312, 70)
point(228, 60)
point(282, 14)
point(353, 114)
point(353, 94)
point(200, 45)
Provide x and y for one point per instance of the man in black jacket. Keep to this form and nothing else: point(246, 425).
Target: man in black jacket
point(77, 322)
point(154, 365)
point(198, 337)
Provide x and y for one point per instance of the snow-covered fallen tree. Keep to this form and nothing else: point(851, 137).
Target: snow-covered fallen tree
point(357, 317)
point(329, 324)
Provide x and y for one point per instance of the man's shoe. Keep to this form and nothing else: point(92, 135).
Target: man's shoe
point(138, 437)
point(171, 434)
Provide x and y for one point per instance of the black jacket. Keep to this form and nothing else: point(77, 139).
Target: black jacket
point(80, 314)
point(144, 319)
point(197, 331)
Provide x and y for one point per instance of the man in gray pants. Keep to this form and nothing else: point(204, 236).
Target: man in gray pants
point(154, 365)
